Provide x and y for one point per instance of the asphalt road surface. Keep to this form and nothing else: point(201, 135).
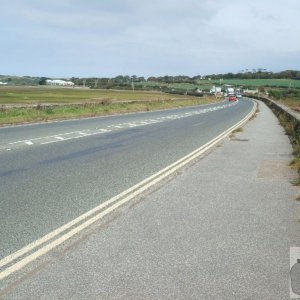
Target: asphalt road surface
point(221, 229)
point(51, 173)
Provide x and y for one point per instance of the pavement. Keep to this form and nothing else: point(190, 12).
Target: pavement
point(220, 229)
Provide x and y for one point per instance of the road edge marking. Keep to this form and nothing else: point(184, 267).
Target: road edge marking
point(123, 197)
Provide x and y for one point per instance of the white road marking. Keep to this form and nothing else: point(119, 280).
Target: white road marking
point(45, 143)
point(198, 124)
point(114, 203)
point(88, 132)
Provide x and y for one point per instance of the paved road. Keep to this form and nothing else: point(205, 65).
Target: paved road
point(220, 230)
point(49, 177)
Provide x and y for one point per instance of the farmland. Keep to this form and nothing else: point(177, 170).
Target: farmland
point(290, 83)
point(41, 103)
point(206, 85)
point(52, 95)
point(44, 103)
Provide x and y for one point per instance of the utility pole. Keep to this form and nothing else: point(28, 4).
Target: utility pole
point(96, 83)
point(132, 84)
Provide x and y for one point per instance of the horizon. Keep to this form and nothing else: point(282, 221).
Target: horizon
point(146, 78)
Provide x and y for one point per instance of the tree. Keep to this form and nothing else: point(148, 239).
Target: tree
point(43, 81)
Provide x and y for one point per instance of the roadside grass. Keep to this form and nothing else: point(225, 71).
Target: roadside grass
point(292, 130)
point(287, 97)
point(45, 113)
point(240, 129)
point(255, 114)
point(232, 134)
point(35, 104)
point(294, 104)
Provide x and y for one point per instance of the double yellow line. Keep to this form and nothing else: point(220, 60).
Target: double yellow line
point(19, 259)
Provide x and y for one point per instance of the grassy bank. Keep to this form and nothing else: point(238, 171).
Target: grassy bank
point(49, 103)
point(292, 129)
point(46, 113)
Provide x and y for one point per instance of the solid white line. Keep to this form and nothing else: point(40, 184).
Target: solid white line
point(29, 143)
point(129, 194)
point(59, 138)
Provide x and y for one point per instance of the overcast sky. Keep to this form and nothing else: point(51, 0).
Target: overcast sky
point(64, 38)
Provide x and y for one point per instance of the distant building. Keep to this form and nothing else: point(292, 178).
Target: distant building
point(3, 83)
point(251, 91)
point(58, 82)
point(215, 89)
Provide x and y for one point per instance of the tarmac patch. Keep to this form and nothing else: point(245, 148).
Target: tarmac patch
point(275, 170)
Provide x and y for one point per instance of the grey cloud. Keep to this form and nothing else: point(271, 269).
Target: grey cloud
point(115, 36)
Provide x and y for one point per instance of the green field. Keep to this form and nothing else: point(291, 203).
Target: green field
point(33, 95)
point(84, 102)
point(207, 84)
point(72, 102)
point(260, 82)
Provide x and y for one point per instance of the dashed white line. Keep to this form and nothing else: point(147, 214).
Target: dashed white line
point(88, 132)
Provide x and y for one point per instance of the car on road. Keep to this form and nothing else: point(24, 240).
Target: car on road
point(232, 98)
point(239, 96)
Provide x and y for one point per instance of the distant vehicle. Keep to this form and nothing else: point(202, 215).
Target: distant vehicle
point(230, 90)
point(232, 98)
point(239, 96)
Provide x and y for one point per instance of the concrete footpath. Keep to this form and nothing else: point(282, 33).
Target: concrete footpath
point(221, 229)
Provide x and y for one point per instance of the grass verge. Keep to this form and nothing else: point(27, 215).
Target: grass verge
point(106, 107)
point(293, 131)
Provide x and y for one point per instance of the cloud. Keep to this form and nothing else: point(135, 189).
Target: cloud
point(148, 37)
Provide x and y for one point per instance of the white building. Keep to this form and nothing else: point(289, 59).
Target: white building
point(58, 82)
point(3, 83)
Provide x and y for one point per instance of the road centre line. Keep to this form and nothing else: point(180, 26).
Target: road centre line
point(97, 213)
point(40, 138)
point(75, 137)
point(83, 133)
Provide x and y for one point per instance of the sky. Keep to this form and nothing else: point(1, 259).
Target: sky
point(106, 38)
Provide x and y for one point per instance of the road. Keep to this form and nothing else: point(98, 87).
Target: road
point(221, 229)
point(51, 173)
